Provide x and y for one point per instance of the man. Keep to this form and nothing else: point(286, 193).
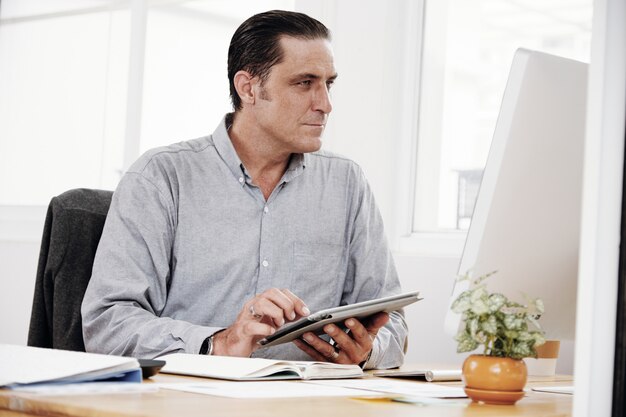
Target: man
point(212, 244)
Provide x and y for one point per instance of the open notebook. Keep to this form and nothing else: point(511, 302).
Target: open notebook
point(254, 369)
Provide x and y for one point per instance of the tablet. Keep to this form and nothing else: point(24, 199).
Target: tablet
point(316, 321)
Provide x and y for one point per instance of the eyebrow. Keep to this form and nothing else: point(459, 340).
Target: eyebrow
point(310, 76)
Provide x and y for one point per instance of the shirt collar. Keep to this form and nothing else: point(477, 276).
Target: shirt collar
point(227, 152)
point(225, 148)
point(296, 167)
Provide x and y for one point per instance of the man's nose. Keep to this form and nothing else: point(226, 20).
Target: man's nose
point(321, 101)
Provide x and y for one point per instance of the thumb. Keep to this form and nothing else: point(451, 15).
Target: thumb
point(377, 321)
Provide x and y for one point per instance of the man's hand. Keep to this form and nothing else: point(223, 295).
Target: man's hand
point(259, 317)
point(349, 348)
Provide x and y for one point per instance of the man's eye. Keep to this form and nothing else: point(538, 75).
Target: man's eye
point(329, 84)
point(305, 83)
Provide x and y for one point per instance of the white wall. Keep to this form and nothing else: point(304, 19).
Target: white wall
point(17, 281)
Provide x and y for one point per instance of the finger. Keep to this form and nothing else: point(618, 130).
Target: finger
point(355, 350)
point(300, 307)
point(322, 347)
point(341, 338)
point(254, 329)
point(266, 307)
point(363, 336)
point(314, 354)
point(282, 300)
point(375, 322)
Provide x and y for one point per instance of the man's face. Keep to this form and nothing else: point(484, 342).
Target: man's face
point(293, 103)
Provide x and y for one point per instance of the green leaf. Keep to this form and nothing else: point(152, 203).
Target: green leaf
point(479, 294)
point(473, 327)
point(479, 307)
point(512, 322)
point(490, 326)
point(462, 303)
point(484, 277)
point(511, 334)
point(496, 302)
point(466, 343)
point(521, 350)
point(514, 304)
point(539, 339)
point(539, 305)
point(525, 337)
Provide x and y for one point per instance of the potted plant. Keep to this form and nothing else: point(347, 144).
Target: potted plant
point(508, 332)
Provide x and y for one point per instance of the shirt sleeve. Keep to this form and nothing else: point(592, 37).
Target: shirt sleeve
point(127, 292)
point(372, 274)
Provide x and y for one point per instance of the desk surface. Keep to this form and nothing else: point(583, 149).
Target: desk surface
point(175, 403)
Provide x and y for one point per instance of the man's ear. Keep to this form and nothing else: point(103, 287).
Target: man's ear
point(244, 84)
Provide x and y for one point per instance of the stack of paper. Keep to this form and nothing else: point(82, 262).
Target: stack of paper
point(23, 365)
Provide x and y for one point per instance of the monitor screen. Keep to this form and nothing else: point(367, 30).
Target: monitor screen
point(526, 221)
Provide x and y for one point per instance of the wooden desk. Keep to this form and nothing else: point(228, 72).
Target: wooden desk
point(175, 403)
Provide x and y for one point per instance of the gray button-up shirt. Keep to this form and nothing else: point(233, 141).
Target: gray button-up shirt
point(189, 238)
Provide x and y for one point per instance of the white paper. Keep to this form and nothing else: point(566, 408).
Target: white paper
point(564, 389)
point(27, 364)
point(267, 389)
point(413, 389)
point(88, 388)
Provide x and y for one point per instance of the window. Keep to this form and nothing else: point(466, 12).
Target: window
point(62, 70)
point(467, 51)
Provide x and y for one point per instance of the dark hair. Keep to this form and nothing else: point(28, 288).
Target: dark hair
point(255, 46)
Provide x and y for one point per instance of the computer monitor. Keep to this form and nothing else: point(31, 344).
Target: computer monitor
point(526, 221)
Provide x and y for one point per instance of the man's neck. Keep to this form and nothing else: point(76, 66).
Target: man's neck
point(265, 164)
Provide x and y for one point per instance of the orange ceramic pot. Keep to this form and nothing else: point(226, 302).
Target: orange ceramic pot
point(494, 380)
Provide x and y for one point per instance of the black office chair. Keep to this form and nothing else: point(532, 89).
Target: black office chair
point(71, 235)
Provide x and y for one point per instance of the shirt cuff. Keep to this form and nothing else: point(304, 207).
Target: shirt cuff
point(373, 357)
point(197, 336)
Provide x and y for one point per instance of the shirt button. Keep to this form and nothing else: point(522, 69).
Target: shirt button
point(265, 263)
point(241, 180)
point(265, 209)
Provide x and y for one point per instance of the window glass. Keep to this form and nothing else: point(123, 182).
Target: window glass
point(185, 92)
point(56, 105)
point(65, 86)
point(468, 49)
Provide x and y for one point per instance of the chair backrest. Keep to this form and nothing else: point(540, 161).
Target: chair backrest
point(71, 235)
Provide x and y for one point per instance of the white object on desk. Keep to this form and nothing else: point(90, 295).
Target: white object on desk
point(568, 389)
point(87, 388)
point(541, 366)
point(20, 365)
point(545, 362)
point(433, 375)
point(389, 386)
point(251, 369)
point(266, 389)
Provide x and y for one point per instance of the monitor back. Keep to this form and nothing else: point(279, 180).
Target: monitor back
point(526, 222)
